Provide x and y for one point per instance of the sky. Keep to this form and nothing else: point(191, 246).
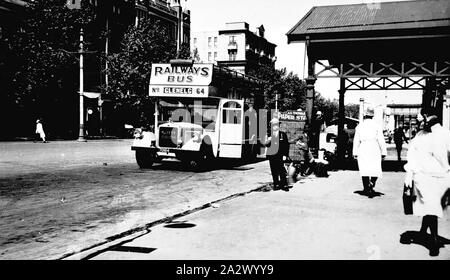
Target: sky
point(278, 17)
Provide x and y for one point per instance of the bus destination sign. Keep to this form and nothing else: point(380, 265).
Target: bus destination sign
point(180, 80)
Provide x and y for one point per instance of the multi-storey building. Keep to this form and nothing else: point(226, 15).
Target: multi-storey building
point(205, 46)
point(114, 16)
point(235, 47)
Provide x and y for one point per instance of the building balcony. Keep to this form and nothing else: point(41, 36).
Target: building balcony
point(160, 5)
point(232, 45)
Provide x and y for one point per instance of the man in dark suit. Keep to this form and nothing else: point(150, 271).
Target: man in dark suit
point(277, 152)
point(399, 137)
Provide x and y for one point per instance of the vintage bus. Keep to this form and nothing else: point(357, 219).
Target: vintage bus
point(202, 112)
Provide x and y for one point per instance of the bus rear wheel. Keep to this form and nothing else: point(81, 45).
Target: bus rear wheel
point(144, 159)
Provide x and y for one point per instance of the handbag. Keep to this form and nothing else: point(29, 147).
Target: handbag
point(445, 200)
point(409, 196)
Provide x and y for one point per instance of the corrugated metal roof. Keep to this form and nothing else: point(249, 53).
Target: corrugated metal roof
point(376, 16)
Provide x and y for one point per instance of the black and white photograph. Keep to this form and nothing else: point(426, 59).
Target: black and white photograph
point(240, 133)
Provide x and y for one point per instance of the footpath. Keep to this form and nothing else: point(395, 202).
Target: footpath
point(319, 218)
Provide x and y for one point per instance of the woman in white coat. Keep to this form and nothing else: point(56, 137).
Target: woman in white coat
point(428, 168)
point(369, 148)
point(40, 130)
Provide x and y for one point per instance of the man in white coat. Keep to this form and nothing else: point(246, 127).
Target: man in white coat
point(369, 149)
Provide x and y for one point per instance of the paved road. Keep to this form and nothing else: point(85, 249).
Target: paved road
point(61, 197)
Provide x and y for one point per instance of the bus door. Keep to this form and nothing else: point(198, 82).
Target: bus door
point(231, 128)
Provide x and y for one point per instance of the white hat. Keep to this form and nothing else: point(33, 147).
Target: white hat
point(318, 113)
point(275, 120)
point(370, 112)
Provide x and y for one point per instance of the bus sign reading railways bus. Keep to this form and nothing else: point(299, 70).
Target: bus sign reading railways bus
point(180, 80)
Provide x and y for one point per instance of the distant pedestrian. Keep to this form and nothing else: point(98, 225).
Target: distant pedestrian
point(277, 152)
point(316, 127)
point(428, 173)
point(399, 137)
point(40, 130)
point(369, 149)
point(302, 160)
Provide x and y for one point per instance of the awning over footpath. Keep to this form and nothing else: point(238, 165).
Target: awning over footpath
point(377, 28)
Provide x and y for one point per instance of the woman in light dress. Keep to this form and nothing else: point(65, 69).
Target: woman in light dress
point(40, 130)
point(428, 171)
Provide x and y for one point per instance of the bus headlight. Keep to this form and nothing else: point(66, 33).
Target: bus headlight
point(197, 137)
point(138, 133)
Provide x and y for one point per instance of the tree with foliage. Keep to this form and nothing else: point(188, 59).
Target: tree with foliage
point(290, 88)
point(129, 70)
point(330, 108)
point(352, 110)
point(294, 93)
point(40, 70)
point(184, 52)
point(195, 55)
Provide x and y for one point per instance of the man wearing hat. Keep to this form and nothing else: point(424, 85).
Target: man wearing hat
point(277, 151)
point(315, 130)
point(369, 148)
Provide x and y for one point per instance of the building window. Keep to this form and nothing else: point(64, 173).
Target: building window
point(209, 56)
point(215, 56)
point(195, 41)
point(116, 9)
point(215, 41)
point(232, 55)
point(209, 41)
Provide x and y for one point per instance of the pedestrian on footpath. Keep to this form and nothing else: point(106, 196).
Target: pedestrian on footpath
point(277, 152)
point(40, 130)
point(428, 173)
point(399, 137)
point(316, 127)
point(369, 149)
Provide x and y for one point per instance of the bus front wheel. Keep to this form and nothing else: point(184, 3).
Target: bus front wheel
point(144, 159)
point(201, 161)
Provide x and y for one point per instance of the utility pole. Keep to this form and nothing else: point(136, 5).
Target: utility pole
point(81, 136)
point(361, 109)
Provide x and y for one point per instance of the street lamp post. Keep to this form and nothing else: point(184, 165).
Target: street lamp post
point(81, 136)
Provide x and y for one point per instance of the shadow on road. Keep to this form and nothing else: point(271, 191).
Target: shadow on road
point(182, 224)
point(218, 164)
point(425, 240)
point(364, 193)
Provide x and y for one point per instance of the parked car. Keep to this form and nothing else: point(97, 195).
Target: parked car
point(332, 129)
point(387, 136)
point(331, 132)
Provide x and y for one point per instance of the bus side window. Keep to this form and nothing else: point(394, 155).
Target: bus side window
point(231, 113)
point(231, 116)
